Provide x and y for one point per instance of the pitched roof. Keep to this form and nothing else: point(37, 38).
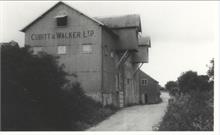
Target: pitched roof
point(57, 4)
point(144, 41)
point(140, 71)
point(122, 21)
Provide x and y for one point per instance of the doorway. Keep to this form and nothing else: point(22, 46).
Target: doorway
point(145, 98)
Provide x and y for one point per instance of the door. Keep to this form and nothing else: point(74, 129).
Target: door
point(145, 98)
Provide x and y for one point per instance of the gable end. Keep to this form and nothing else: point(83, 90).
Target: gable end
point(50, 9)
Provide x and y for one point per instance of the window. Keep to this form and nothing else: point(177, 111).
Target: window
point(144, 82)
point(61, 20)
point(61, 50)
point(86, 48)
point(36, 50)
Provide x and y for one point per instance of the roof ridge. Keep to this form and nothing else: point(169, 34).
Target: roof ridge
point(122, 21)
point(58, 3)
point(148, 75)
point(115, 16)
point(92, 18)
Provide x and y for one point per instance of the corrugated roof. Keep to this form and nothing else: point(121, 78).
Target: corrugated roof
point(122, 21)
point(25, 28)
point(144, 41)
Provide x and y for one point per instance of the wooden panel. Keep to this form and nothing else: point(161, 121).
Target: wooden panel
point(109, 68)
point(151, 89)
point(141, 56)
point(127, 39)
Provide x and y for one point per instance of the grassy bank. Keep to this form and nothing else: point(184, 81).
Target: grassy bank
point(98, 115)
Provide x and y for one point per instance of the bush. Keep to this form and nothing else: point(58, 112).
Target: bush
point(37, 96)
point(170, 85)
point(31, 87)
point(189, 82)
point(192, 109)
point(188, 113)
point(172, 88)
point(85, 112)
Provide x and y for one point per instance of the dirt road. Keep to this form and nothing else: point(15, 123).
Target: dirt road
point(135, 118)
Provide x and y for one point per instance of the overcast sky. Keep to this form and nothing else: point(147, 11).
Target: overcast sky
point(183, 34)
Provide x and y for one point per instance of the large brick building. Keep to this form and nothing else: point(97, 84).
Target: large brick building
point(103, 54)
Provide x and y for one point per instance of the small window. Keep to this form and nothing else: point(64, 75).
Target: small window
point(36, 50)
point(61, 50)
point(86, 48)
point(144, 82)
point(61, 20)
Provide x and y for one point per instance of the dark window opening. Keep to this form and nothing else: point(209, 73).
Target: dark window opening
point(144, 82)
point(61, 21)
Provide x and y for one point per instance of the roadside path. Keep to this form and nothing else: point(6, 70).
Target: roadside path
point(135, 118)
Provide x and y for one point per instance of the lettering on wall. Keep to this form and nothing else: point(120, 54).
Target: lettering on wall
point(63, 35)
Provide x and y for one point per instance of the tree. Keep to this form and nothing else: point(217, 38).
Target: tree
point(210, 72)
point(203, 83)
point(32, 90)
point(37, 96)
point(172, 87)
point(190, 82)
point(193, 109)
point(187, 81)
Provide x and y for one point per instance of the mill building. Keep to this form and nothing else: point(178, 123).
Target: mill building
point(103, 54)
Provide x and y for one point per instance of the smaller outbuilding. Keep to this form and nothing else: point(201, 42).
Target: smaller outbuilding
point(149, 89)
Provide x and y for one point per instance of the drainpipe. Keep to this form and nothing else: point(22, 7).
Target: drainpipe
point(102, 72)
